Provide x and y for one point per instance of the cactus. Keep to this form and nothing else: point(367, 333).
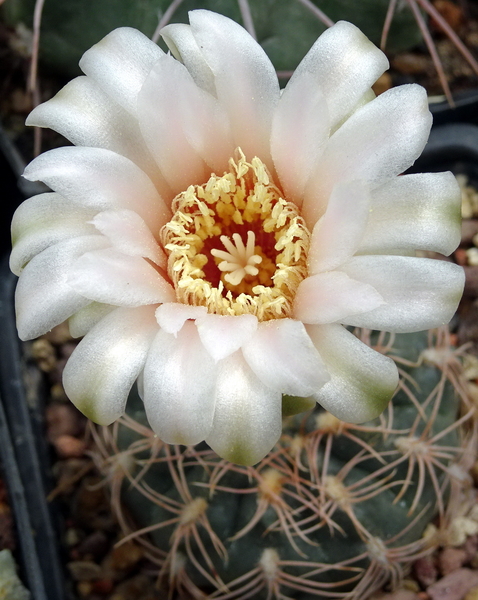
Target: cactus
point(334, 509)
point(285, 28)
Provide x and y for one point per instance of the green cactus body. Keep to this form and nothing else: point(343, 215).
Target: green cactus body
point(333, 509)
point(286, 29)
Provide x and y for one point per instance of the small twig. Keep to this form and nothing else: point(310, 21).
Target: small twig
point(164, 20)
point(247, 17)
point(432, 49)
point(388, 21)
point(317, 12)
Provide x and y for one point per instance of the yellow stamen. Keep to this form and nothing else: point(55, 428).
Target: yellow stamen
point(235, 245)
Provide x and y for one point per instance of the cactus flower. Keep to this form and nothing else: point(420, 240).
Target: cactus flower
point(213, 238)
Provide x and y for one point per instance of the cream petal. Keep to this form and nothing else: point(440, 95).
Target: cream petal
point(414, 212)
point(86, 318)
point(337, 235)
point(247, 418)
point(222, 335)
point(111, 277)
point(419, 293)
point(283, 357)
point(246, 82)
point(188, 130)
point(87, 116)
point(178, 387)
point(171, 316)
point(345, 63)
point(333, 296)
point(101, 179)
point(42, 221)
point(102, 369)
point(43, 297)
point(300, 130)
point(180, 40)
point(120, 63)
point(362, 380)
point(128, 233)
point(379, 141)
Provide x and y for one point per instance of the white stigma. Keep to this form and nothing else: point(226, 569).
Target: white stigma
point(239, 260)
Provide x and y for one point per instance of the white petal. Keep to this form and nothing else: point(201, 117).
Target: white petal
point(300, 129)
point(42, 221)
point(87, 116)
point(86, 318)
point(282, 355)
point(362, 380)
point(111, 277)
point(120, 62)
point(128, 233)
point(43, 297)
point(337, 235)
point(415, 212)
point(171, 316)
point(178, 387)
point(102, 369)
point(183, 125)
point(246, 82)
point(331, 297)
point(345, 63)
point(379, 141)
point(180, 40)
point(222, 334)
point(419, 293)
point(247, 419)
point(99, 178)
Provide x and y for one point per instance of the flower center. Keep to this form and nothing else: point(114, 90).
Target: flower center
point(235, 245)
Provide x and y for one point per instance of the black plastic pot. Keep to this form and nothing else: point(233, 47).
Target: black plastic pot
point(23, 450)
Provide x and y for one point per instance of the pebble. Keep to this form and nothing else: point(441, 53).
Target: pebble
point(68, 446)
point(44, 354)
point(454, 586)
point(84, 570)
point(452, 13)
point(411, 63)
point(62, 419)
point(425, 570)
point(451, 559)
point(11, 588)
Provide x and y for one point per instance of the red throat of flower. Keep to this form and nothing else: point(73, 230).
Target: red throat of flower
point(235, 245)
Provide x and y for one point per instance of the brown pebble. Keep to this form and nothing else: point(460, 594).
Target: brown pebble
point(469, 228)
point(59, 334)
point(383, 83)
point(84, 570)
point(451, 559)
point(68, 446)
point(471, 281)
point(125, 556)
point(471, 547)
point(425, 570)
point(452, 13)
point(62, 419)
point(411, 64)
point(94, 546)
point(454, 586)
point(461, 256)
point(102, 587)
